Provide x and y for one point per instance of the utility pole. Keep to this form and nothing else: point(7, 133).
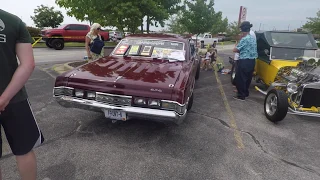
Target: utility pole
point(260, 27)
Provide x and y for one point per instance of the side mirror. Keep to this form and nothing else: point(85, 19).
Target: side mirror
point(266, 51)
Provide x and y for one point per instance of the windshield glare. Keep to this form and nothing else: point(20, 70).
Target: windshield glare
point(291, 39)
point(291, 54)
point(154, 48)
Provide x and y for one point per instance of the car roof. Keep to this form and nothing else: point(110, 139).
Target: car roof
point(162, 36)
point(265, 36)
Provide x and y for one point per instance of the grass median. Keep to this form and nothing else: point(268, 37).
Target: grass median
point(73, 44)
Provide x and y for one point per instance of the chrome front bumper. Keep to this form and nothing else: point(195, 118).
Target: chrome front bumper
point(132, 112)
point(303, 113)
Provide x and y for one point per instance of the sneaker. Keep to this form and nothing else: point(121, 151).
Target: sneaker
point(238, 98)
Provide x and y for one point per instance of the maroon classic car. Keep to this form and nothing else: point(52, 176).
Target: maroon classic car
point(150, 76)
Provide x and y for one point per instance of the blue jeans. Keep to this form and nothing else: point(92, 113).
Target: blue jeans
point(244, 75)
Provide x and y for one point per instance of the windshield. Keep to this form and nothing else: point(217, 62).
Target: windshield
point(291, 39)
point(291, 54)
point(154, 48)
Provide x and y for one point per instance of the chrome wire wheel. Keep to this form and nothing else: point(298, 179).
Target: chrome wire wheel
point(271, 104)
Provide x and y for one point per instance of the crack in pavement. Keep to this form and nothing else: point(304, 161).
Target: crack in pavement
point(257, 142)
point(44, 107)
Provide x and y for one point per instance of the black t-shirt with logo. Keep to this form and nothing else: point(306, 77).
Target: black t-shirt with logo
point(12, 31)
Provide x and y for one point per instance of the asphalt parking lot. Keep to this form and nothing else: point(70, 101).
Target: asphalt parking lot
point(222, 138)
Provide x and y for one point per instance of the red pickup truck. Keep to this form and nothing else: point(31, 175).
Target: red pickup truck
point(55, 38)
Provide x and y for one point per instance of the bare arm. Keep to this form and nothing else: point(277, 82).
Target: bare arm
point(88, 40)
point(23, 72)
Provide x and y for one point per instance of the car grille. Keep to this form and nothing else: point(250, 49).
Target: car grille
point(310, 98)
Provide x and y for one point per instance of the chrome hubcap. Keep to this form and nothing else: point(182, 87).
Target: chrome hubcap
point(233, 75)
point(271, 104)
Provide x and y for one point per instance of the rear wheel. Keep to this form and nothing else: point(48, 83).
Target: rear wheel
point(57, 44)
point(276, 105)
point(190, 103)
point(198, 72)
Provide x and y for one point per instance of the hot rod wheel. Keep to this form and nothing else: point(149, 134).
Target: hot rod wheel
point(276, 105)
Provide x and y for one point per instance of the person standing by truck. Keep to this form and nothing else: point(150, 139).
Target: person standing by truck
point(94, 43)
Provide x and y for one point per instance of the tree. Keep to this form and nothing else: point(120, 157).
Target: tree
point(313, 24)
point(198, 16)
point(175, 26)
point(45, 16)
point(220, 25)
point(233, 29)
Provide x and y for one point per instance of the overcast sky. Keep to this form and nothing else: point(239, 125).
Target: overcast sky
point(279, 14)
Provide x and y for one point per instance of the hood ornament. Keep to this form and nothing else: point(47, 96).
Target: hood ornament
point(171, 85)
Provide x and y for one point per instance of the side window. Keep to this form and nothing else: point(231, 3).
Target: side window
point(77, 27)
point(206, 36)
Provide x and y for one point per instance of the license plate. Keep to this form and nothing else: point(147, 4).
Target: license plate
point(115, 114)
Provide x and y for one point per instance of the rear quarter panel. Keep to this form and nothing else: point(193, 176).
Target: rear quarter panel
point(186, 80)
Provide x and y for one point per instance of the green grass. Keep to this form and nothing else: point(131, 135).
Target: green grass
point(73, 44)
point(226, 43)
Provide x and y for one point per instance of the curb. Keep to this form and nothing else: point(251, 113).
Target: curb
point(67, 67)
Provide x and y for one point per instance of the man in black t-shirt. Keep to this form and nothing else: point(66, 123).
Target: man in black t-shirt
point(16, 117)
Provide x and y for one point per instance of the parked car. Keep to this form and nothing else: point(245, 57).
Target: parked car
point(148, 76)
point(115, 35)
point(55, 38)
point(289, 71)
point(206, 38)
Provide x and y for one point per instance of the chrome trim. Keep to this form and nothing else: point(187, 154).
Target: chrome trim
point(315, 85)
point(138, 112)
point(115, 95)
point(174, 102)
point(300, 113)
point(270, 87)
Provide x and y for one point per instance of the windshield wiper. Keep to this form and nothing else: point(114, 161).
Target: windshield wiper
point(169, 59)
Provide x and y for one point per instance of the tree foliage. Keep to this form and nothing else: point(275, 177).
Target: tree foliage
point(124, 14)
point(313, 24)
point(220, 26)
point(45, 16)
point(199, 16)
point(233, 29)
point(174, 24)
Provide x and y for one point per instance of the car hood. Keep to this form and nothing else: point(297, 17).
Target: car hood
point(129, 76)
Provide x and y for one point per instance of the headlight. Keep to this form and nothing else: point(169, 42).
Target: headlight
point(154, 103)
point(62, 91)
point(91, 95)
point(292, 87)
point(140, 101)
point(79, 93)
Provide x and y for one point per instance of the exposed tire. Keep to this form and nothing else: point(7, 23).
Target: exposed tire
point(233, 73)
point(48, 43)
point(198, 72)
point(57, 44)
point(190, 103)
point(276, 105)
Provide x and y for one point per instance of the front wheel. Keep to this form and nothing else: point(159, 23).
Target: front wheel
point(48, 44)
point(276, 105)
